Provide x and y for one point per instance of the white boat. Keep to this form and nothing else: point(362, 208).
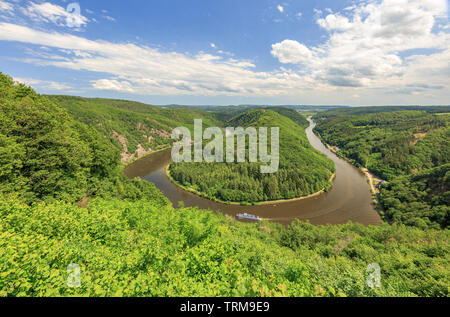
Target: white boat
point(248, 217)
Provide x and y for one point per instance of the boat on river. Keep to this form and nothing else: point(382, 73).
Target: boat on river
point(247, 216)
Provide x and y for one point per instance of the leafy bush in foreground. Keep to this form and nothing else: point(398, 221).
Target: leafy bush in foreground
point(143, 249)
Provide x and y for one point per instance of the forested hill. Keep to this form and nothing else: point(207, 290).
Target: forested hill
point(390, 143)
point(134, 128)
point(244, 119)
point(393, 144)
point(302, 172)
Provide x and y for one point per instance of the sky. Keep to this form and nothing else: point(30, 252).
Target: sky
point(222, 52)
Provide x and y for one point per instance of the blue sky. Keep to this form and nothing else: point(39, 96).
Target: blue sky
point(364, 52)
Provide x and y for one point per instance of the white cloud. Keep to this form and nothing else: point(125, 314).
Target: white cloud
point(114, 85)
point(364, 50)
point(350, 8)
point(107, 17)
point(6, 7)
point(52, 13)
point(291, 52)
point(44, 84)
point(147, 71)
point(280, 8)
point(367, 53)
point(335, 22)
point(317, 11)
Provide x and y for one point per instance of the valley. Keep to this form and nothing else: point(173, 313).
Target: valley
point(132, 238)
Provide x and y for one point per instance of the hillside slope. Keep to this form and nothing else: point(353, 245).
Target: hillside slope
point(134, 128)
point(354, 111)
point(390, 144)
point(421, 199)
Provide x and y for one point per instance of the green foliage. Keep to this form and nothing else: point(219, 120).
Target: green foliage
point(353, 111)
point(386, 143)
point(140, 249)
point(421, 200)
point(413, 262)
point(303, 170)
point(143, 249)
point(291, 114)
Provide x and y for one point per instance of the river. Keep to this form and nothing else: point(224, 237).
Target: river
point(349, 199)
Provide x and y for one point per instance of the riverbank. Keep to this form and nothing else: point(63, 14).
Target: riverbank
point(370, 177)
point(125, 164)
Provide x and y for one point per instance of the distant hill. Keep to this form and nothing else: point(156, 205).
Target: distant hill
point(225, 113)
point(248, 117)
point(367, 110)
point(389, 143)
point(292, 114)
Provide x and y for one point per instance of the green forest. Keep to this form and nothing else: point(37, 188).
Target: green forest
point(130, 241)
point(303, 170)
point(410, 149)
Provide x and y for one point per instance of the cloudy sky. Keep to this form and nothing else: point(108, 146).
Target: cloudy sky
point(352, 52)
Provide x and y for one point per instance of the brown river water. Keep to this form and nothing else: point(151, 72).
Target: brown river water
point(349, 199)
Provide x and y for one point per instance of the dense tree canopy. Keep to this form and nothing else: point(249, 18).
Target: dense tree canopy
point(389, 143)
point(421, 199)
